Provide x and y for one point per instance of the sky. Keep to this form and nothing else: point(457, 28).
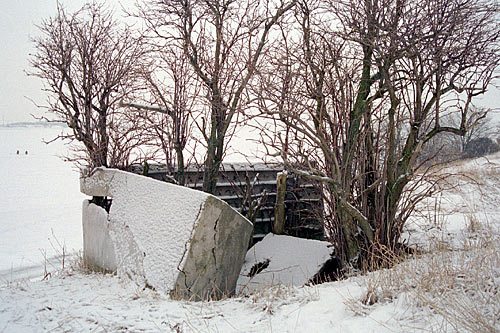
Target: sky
point(18, 19)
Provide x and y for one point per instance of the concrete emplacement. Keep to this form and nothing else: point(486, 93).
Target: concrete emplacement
point(189, 244)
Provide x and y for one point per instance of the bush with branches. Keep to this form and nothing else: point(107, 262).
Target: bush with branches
point(362, 91)
point(88, 63)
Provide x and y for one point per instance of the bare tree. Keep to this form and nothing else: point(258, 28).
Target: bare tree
point(448, 147)
point(363, 90)
point(88, 63)
point(476, 129)
point(174, 93)
point(223, 41)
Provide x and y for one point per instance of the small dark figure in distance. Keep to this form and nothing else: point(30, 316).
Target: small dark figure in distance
point(18, 152)
point(26, 152)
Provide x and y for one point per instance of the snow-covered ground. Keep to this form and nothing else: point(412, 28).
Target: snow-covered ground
point(40, 200)
point(97, 303)
point(455, 288)
point(466, 205)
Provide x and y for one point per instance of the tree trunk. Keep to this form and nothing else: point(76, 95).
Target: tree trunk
point(279, 210)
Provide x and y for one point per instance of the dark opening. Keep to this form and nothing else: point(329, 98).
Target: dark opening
point(258, 267)
point(331, 271)
point(103, 202)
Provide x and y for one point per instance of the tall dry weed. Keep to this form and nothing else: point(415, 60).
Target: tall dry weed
point(459, 286)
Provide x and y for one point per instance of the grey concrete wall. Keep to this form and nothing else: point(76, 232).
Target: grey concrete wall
point(216, 253)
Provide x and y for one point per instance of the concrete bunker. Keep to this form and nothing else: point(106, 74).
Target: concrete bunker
point(172, 238)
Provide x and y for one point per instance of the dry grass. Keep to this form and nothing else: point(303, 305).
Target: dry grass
point(459, 286)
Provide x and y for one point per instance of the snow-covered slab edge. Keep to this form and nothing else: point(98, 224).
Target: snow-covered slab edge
point(280, 259)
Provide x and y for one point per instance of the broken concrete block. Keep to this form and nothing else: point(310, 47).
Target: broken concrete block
point(99, 252)
point(172, 238)
point(286, 260)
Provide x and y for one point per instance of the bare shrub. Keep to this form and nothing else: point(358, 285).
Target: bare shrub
point(480, 147)
point(358, 100)
point(88, 63)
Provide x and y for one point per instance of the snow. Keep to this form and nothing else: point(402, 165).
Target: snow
point(155, 217)
point(452, 289)
point(467, 204)
point(40, 206)
point(104, 303)
point(98, 249)
point(292, 262)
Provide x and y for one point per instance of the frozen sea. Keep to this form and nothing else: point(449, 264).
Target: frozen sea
point(40, 201)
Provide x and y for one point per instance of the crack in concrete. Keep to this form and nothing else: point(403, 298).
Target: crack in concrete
point(216, 224)
point(181, 271)
point(215, 239)
point(190, 238)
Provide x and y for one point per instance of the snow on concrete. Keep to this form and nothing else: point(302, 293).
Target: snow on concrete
point(99, 251)
point(292, 261)
point(151, 223)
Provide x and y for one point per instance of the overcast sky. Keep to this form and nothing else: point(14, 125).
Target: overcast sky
point(17, 24)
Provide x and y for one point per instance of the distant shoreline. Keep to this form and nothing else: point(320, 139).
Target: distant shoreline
point(33, 124)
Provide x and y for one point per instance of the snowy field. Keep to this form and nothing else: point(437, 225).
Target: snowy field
point(40, 200)
point(453, 286)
